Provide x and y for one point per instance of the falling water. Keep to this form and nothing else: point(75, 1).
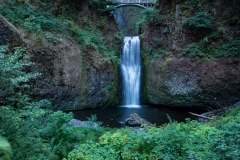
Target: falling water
point(131, 70)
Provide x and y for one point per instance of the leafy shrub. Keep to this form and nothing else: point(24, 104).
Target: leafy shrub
point(13, 77)
point(200, 20)
point(173, 141)
point(208, 40)
point(29, 17)
point(190, 140)
point(193, 51)
point(100, 5)
point(35, 133)
point(5, 149)
point(206, 49)
point(231, 48)
point(226, 144)
point(150, 16)
point(33, 130)
point(52, 39)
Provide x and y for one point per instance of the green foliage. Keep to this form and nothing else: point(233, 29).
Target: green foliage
point(150, 16)
point(193, 5)
point(90, 40)
point(193, 51)
point(13, 77)
point(200, 20)
point(39, 133)
point(206, 47)
point(209, 40)
point(173, 141)
point(231, 48)
point(190, 140)
point(92, 121)
point(5, 149)
point(33, 130)
point(100, 5)
point(35, 133)
point(38, 18)
point(52, 39)
point(28, 17)
point(226, 144)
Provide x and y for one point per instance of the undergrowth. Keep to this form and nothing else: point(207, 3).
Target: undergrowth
point(228, 49)
point(33, 130)
point(190, 140)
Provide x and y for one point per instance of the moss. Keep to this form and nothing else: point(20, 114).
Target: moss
point(180, 100)
point(185, 13)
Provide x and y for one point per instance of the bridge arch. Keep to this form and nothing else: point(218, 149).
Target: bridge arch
point(134, 5)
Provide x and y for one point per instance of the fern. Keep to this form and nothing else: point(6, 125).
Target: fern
point(200, 20)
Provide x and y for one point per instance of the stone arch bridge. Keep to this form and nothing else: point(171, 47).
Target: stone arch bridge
point(137, 3)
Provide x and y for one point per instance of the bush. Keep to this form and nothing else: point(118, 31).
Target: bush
point(5, 149)
point(173, 141)
point(150, 16)
point(34, 131)
point(101, 5)
point(191, 140)
point(226, 144)
point(200, 20)
point(29, 17)
point(14, 78)
point(206, 49)
point(193, 51)
point(231, 48)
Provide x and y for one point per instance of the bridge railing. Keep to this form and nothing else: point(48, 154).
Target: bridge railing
point(134, 1)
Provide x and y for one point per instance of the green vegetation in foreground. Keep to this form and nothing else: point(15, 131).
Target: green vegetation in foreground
point(36, 132)
point(219, 139)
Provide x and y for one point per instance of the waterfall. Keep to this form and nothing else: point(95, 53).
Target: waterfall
point(131, 70)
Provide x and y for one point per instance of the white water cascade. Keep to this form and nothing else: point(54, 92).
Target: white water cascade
point(131, 70)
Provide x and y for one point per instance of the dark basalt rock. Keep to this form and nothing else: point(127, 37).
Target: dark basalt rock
point(136, 120)
point(9, 35)
point(70, 78)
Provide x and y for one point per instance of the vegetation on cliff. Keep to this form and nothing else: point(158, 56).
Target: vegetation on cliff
point(64, 18)
point(198, 28)
point(191, 44)
point(82, 33)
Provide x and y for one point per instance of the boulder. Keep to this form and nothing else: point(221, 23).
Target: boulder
point(136, 120)
point(180, 82)
point(78, 123)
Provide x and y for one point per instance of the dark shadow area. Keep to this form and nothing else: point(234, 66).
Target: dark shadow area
point(126, 18)
point(115, 116)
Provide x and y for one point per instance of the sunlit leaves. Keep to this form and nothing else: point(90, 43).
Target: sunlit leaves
point(190, 140)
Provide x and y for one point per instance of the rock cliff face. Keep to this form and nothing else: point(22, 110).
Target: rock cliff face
point(175, 79)
point(181, 82)
point(185, 64)
point(71, 78)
